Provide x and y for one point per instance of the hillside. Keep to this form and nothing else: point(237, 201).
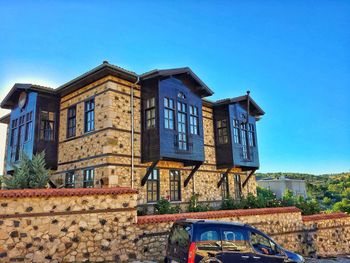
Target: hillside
point(332, 191)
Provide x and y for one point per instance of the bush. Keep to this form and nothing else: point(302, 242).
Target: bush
point(265, 198)
point(163, 206)
point(196, 207)
point(343, 206)
point(30, 173)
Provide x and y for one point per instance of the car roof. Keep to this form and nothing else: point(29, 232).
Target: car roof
point(211, 222)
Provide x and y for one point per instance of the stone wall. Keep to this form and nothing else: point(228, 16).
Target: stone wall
point(99, 225)
point(67, 225)
point(328, 234)
point(314, 236)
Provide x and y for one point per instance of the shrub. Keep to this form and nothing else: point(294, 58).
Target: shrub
point(163, 206)
point(343, 206)
point(265, 198)
point(29, 173)
point(196, 207)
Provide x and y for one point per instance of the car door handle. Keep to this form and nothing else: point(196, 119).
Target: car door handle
point(255, 257)
point(245, 257)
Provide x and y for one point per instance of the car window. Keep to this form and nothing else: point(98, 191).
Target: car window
point(262, 244)
point(180, 235)
point(235, 239)
point(208, 238)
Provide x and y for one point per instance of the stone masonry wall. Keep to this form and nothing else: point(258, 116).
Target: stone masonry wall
point(99, 225)
point(67, 225)
point(316, 236)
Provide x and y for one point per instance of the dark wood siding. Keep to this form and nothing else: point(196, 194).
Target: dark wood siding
point(161, 143)
point(224, 154)
point(150, 148)
point(51, 104)
point(231, 154)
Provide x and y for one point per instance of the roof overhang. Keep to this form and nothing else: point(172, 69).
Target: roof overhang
point(5, 119)
point(203, 89)
point(255, 109)
point(10, 100)
point(95, 74)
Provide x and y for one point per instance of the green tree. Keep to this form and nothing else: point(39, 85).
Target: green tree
point(29, 173)
point(327, 201)
point(343, 206)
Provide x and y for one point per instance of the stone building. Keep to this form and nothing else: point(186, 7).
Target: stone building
point(155, 132)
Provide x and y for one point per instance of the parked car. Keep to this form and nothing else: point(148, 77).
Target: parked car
point(205, 241)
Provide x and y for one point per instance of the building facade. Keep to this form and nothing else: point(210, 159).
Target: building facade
point(280, 185)
point(154, 132)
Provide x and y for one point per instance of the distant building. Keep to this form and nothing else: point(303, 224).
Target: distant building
point(280, 185)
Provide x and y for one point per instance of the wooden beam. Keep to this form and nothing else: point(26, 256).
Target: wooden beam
point(248, 177)
point(223, 177)
point(149, 171)
point(189, 177)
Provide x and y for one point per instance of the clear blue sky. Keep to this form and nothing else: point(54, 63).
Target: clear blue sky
point(294, 56)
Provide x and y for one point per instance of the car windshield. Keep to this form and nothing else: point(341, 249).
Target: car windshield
point(234, 239)
point(208, 238)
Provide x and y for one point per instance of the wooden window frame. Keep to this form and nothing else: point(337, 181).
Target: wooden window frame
point(169, 110)
point(88, 182)
point(182, 138)
point(71, 121)
point(70, 179)
point(89, 115)
point(222, 131)
point(45, 124)
point(175, 185)
point(150, 184)
point(194, 120)
point(150, 113)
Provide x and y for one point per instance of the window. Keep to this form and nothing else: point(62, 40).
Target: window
point(29, 126)
point(236, 137)
point(89, 176)
point(244, 141)
point(180, 235)
point(14, 139)
point(71, 121)
point(181, 125)
point(175, 185)
point(169, 113)
point(47, 125)
point(150, 113)
point(20, 140)
point(235, 240)
point(251, 135)
point(70, 180)
point(222, 131)
point(224, 187)
point(208, 239)
point(194, 120)
point(153, 186)
point(238, 189)
point(14, 127)
point(89, 124)
point(263, 245)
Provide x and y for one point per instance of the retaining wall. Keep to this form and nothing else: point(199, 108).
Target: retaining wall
point(101, 224)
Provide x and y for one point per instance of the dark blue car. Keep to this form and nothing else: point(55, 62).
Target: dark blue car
point(204, 241)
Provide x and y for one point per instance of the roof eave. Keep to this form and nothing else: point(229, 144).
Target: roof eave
point(128, 75)
point(5, 119)
point(177, 71)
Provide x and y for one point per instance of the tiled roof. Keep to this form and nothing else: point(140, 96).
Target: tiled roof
point(21, 193)
point(324, 216)
point(215, 214)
